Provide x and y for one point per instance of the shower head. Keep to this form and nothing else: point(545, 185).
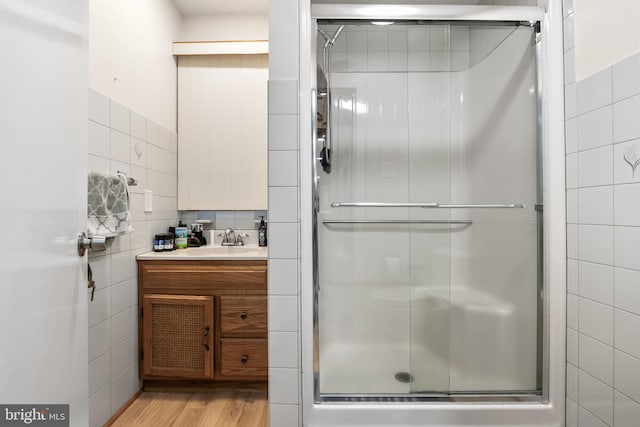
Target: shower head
point(325, 152)
point(336, 34)
point(330, 40)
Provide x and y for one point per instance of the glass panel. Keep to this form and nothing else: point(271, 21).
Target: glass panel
point(426, 300)
point(493, 318)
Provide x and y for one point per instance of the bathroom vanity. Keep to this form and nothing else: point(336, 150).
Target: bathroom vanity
point(203, 314)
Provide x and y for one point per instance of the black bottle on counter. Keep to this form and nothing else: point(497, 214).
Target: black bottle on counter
point(262, 233)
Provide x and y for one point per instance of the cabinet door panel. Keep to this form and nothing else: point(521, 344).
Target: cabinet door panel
point(178, 336)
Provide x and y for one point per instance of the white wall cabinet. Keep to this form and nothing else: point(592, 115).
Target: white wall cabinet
point(222, 132)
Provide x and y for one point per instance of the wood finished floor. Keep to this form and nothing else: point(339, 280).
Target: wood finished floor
point(226, 407)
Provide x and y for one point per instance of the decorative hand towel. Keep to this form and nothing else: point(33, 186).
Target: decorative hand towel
point(108, 210)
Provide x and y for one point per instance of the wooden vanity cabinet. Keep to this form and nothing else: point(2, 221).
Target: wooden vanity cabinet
point(202, 320)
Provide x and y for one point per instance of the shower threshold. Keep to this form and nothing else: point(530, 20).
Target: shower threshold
point(431, 397)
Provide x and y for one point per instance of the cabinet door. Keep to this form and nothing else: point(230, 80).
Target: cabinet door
point(222, 132)
point(178, 336)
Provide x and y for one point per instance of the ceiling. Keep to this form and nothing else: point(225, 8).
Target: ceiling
point(222, 7)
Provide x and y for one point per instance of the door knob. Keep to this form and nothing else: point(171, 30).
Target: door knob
point(95, 243)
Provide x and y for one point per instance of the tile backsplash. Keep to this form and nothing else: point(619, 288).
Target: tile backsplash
point(238, 220)
point(120, 139)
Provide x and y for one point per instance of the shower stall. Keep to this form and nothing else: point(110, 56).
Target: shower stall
point(428, 168)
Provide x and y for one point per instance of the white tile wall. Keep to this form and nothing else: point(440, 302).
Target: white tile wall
point(595, 128)
point(283, 168)
point(100, 406)
point(283, 313)
point(595, 243)
point(626, 78)
point(572, 170)
point(572, 381)
point(283, 386)
point(603, 303)
point(572, 277)
point(627, 375)
point(625, 123)
point(572, 346)
point(121, 139)
point(570, 103)
point(626, 411)
point(284, 373)
point(595, 167)
point(596, 282)
point(283, 350)
point(570, 66)
point(283, 132)
point(284, 342)
point(587, 419)
point(626, 333)
point(283, 415)
point(594, 91)
point(595, 205)
point(370, 48)
point(283, 240)
point(596, 320)
point(627, 204)
point(596, 397)
point(627, 290)
point(284, 204)
point(627, 240)
point(572, 413)
point(569, 33)
point(596, 359)
point(571, 135)
point(572, 206)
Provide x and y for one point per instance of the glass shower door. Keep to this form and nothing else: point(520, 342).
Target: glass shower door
point(427, 281)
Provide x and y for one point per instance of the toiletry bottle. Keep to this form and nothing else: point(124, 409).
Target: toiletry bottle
point(182, 235)
point(262, 233)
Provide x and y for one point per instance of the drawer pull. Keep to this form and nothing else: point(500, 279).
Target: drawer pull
point(243, 315)
point(244, 359)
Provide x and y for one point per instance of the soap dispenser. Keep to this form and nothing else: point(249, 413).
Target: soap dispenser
point(262, 233)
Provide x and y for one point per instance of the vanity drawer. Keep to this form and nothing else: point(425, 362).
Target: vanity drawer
point(203, 274)
point(243, 315)
point(244, 357)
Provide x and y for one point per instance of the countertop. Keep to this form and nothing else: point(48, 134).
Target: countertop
point(247, 252)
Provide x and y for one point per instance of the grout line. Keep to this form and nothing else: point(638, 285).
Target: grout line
point(594, 415)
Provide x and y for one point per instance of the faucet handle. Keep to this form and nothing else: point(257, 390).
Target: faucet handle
point(239, 238)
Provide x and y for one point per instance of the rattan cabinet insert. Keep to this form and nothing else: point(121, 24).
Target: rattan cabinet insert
point(202, 320)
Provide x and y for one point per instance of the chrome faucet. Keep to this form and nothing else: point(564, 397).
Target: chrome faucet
point(230, 238)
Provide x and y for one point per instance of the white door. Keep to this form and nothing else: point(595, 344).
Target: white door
point(43, 202)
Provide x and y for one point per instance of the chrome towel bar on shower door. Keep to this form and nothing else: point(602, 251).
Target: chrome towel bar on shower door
point(430, 205)
point(398, 221)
